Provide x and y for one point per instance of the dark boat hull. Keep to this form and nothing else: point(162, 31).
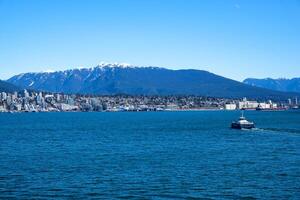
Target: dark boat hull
point(242, 126)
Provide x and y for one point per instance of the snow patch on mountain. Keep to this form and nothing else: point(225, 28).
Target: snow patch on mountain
point(121, 65)
point(48, 71)
point(31, 84)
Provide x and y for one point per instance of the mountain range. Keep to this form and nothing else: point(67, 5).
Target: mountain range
point(8, 87)
point(285, 85)
point(108, 79)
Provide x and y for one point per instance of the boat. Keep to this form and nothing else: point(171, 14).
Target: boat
point(242, 123)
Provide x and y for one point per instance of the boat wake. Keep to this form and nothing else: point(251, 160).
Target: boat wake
point(277, 130)
point(252, 129)
point(287, 130)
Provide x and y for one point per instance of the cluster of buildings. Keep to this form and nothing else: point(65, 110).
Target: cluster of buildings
point(251, 105)
point(47, 102)
point(255, 105)
point(293, 104)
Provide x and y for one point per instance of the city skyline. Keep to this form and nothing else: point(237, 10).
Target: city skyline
point(235, 39)
point(24, 101)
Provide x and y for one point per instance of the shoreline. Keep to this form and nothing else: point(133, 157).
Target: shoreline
point(177, 110)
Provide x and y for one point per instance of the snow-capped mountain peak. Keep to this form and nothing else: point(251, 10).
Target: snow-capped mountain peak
point(121, 65)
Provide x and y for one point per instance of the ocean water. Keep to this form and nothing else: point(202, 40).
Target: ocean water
point(148, 155)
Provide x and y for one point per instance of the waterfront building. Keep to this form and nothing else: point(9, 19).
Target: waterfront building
point(230, 106)
point(17, 107)
point(2, 108)
point(172, 106)
point(245, 104)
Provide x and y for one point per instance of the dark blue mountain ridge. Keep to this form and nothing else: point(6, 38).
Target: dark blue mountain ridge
point(109, 79)
point(281, 84)
point(8, 87)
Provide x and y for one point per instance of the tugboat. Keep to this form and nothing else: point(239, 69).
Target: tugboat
point(242, 123)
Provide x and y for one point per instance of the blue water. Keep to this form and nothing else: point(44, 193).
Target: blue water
point(163, 155)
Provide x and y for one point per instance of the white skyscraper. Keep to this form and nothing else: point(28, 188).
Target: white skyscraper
point(26, 94)
point(4, 96)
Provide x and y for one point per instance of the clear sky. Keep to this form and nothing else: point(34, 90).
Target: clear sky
point(232, 38)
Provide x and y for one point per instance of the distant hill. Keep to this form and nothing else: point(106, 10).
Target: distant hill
point(286, 85)
point(123, 79)
point(8, 87)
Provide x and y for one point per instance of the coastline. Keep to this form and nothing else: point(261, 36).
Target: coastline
point(136, 111)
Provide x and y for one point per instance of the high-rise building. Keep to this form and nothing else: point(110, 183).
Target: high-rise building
point(4, 96)
point(8, 100)
point(14, 96)
point(39, 99)
point(26, 94)
point(58, 97)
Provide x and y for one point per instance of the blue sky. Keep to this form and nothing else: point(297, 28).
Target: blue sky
point(232, 38)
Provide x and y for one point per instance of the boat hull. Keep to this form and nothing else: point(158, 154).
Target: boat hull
point(242, 126)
